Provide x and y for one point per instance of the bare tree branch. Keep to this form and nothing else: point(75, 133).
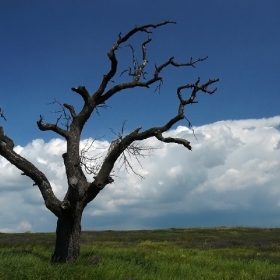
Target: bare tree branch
point(138, 70)
point(102, 178)
point(63, 114)
point(191, 63)
point(47, 126)
point(143, 28)
point(2, 114)
point(5, 141)
point(136, 150)
point(6, 150)
point(157, 131)
point(155, 78)
point(82, 91)
point(112, 56)
point(91, 164)
point(134, 61)
point(71, 110)
point(181, 141)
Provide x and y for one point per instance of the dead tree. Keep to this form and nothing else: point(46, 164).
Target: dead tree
point(80, 192)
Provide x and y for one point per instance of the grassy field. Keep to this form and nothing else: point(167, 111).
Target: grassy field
point(171, 254)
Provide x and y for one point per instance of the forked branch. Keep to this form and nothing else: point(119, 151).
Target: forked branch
point(140, 71)
point(157, 131)
point(134, 150)
point(54, 127)
point(112, 56)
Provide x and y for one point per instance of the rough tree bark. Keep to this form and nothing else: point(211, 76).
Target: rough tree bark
point(80, 192)
point(68, 233)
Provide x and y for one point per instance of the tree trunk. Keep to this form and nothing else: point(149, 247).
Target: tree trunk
point(68, 235)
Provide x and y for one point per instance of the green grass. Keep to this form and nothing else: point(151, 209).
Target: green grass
point(210, 253)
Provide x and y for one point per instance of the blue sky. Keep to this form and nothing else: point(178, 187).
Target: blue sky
point(49, 47)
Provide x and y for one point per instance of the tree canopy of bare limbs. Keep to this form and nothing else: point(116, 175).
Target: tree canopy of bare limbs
point(80, 192)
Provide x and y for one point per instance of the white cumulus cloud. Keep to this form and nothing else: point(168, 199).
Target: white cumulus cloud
point(231, 177)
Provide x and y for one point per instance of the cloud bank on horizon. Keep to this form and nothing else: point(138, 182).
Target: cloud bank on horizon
point(231, 177)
